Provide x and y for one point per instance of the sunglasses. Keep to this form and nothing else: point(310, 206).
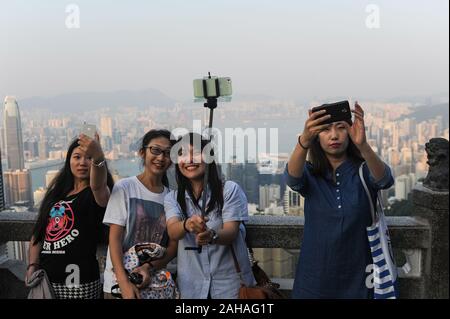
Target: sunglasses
point(157, 151)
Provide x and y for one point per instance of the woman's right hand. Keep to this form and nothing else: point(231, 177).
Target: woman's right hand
point(129, 291)
point(30, 272)
point(196, 224)
point(313, 127)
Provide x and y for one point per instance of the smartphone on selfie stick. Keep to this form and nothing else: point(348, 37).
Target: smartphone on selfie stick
point(209, 88)
point(89, 130)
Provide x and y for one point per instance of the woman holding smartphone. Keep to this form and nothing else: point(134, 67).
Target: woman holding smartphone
point(69, 224)
point(335, 257)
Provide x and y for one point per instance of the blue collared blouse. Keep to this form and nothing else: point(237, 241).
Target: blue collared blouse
point(335, 251)
point(212, 272)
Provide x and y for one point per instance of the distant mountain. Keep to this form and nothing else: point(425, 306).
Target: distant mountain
point(88, 101)
point(424, 113)
point(253, 97)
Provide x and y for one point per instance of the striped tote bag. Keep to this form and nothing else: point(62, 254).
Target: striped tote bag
point(384, 268)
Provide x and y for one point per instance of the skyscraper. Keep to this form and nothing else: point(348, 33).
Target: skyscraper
point(13, 134)
point(2, 188)
point(268, 194)
point(293, 203)
point(106, 126)
point(18, 187)
point(251, 182)
point(49, 176)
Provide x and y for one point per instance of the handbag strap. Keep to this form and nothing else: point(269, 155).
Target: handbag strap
point(373, 208)
point(249, 247)
point(369, 196)
point(236, 263)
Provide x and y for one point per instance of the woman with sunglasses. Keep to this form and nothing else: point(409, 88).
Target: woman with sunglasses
point(210, 273)
point(135, 214)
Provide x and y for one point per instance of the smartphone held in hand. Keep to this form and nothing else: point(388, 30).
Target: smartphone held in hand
point(339, 111)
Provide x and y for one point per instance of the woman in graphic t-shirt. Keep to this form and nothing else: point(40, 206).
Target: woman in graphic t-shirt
point(135, 214)
point(69, 225)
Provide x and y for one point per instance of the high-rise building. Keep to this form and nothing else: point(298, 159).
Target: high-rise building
point(251, 182)
point(18, 187)
point(293, 203)
point(38, 196)
point(433, 130)
point(31, 146)
point(395, 136)
point(403, 186)
point(406, 156)
point(421, 133)
point(49, 176)
point(106, 126)
point(268, 194)
point(13, 134)
point(2, 186)
point(43, 148)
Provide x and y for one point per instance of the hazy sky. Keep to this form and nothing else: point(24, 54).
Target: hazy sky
point(293, 49)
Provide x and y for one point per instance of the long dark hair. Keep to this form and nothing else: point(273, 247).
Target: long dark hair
point(214, 182)
point(320, 162)
point(58, 189)
point(150, 135)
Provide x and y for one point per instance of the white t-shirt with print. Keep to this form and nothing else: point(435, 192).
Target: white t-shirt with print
point(140, 211)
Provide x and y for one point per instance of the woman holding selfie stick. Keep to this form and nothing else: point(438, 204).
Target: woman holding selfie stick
point(335, 256)
point(69, 224)
point(210, 273)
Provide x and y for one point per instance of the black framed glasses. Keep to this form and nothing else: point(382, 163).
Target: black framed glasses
point(155, 150)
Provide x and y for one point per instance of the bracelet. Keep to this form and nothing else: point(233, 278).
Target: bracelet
point(300, 143)
point(184, 226)
point(33, 264)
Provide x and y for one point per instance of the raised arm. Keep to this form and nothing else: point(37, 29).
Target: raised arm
point(98, 177)
point(312, 128)
point(357, 133)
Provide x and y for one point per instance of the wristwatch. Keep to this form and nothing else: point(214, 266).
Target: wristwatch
point(99, 164)
point(215, 237)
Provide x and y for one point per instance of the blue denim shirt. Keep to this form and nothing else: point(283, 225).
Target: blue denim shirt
point(212, 271)
point(335, 251)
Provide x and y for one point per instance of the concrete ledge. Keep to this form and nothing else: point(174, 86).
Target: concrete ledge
point(287, 232)
point(263, 231)
point(433, 200)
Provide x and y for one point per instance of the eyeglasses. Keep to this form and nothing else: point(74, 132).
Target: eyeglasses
point(157, 151)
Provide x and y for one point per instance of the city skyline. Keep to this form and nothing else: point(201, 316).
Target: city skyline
point(396, 131)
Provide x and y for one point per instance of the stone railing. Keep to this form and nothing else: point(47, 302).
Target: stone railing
point(411, 236)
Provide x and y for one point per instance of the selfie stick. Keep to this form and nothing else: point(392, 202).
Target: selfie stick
point(211, 103)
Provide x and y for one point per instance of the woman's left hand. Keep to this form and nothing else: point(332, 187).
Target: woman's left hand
point(91, 147)
point(204, 238)
point(144, 271)
point(357, 131)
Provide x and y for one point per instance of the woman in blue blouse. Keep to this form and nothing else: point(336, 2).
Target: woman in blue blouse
point(211, 273)
point(335, 256)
